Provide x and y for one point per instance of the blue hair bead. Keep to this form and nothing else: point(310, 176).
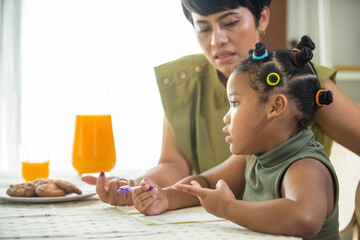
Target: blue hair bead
point(260, 57)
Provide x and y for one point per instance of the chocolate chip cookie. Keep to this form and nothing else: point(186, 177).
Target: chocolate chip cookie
point(22, 190)
point(68, 187)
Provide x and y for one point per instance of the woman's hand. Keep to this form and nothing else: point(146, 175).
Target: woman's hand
point(149, 202)
point(215, 201)
point(106, 189)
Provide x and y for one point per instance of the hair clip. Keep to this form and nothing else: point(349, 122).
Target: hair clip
point(294, 59)
point(260, 57)
point(259, 51)
point(273, 79)
point(317, 98)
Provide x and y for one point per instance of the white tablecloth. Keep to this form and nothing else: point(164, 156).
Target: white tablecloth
point(92, 219)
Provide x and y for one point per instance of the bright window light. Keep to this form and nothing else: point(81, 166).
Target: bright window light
point(87, 49)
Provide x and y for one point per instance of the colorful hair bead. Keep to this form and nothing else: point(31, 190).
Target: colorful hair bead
point(317, 98)
point(260, 57)
point(273, 79)
point(294, 59)
point(259, 51)
point(300, 59)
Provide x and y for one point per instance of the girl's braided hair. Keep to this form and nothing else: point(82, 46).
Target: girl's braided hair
point(289, 72)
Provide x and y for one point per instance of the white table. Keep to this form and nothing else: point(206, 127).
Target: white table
point(92, 219)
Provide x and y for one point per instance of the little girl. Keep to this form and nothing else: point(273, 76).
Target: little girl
point(288, 185)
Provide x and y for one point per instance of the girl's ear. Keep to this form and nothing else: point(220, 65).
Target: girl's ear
point(276, 106)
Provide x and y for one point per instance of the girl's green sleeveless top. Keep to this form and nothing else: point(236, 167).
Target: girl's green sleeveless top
point(195, 102)
point(265, 172)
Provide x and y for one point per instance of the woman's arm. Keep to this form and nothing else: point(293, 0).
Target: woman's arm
point(172, 166)
point(340, 120)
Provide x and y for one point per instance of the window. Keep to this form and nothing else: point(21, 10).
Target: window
point(89, 48)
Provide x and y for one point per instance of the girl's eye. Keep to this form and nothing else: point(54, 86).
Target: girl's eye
point(233, 103)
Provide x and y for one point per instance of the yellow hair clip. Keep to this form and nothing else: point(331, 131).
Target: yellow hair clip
point(274, 80)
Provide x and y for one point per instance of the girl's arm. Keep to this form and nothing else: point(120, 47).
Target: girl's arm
point(158, 200)
point(340, 120)
point(232, 171)
point(307, 199)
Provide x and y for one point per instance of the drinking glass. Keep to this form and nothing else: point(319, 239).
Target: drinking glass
point(34, 161)
point(94, 148)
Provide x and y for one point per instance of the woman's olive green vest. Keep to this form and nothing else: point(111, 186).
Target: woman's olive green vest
point(195, 103)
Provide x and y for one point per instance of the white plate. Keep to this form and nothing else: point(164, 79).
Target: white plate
point(67, 198)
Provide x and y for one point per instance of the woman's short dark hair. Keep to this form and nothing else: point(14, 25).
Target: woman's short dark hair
point(207, 7)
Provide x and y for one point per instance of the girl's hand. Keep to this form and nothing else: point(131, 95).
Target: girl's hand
point(149, 202)
point(106, 189)
point(215, 201)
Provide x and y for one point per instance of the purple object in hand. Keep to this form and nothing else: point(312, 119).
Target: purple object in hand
point(128, 189)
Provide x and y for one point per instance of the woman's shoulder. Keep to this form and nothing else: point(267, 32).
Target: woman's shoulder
point(189, 67)
point(325, 73)
point(186, 65)
point(189, 60)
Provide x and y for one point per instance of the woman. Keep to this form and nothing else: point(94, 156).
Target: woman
point(290, 186)
point(194, 98)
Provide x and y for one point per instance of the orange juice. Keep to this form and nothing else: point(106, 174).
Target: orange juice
point(33, 170)
point(94, 148)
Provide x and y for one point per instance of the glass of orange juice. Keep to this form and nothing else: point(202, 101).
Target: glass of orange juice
point(34, 162)
point(94, 148)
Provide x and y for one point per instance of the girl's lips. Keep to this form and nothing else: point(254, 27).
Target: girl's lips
point(227, 138)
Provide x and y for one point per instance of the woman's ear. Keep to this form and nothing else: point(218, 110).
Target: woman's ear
point(276, 106)
point(264, 19)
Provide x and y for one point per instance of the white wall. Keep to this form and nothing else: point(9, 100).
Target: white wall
point(333, 26)
point(345, 31)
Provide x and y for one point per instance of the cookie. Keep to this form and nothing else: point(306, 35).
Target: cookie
point(43, 187)
point(49, 190)
point(40, 181)
point(68, 187)
point(21, 190)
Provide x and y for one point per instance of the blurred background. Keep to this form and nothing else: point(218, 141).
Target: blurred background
point(59, 58)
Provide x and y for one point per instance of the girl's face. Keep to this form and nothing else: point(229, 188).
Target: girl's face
point(246, 118)
point(226, 37)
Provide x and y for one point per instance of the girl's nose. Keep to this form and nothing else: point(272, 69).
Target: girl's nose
point(226, 119)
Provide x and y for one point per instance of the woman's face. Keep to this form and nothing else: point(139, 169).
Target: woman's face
point(226, 37)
